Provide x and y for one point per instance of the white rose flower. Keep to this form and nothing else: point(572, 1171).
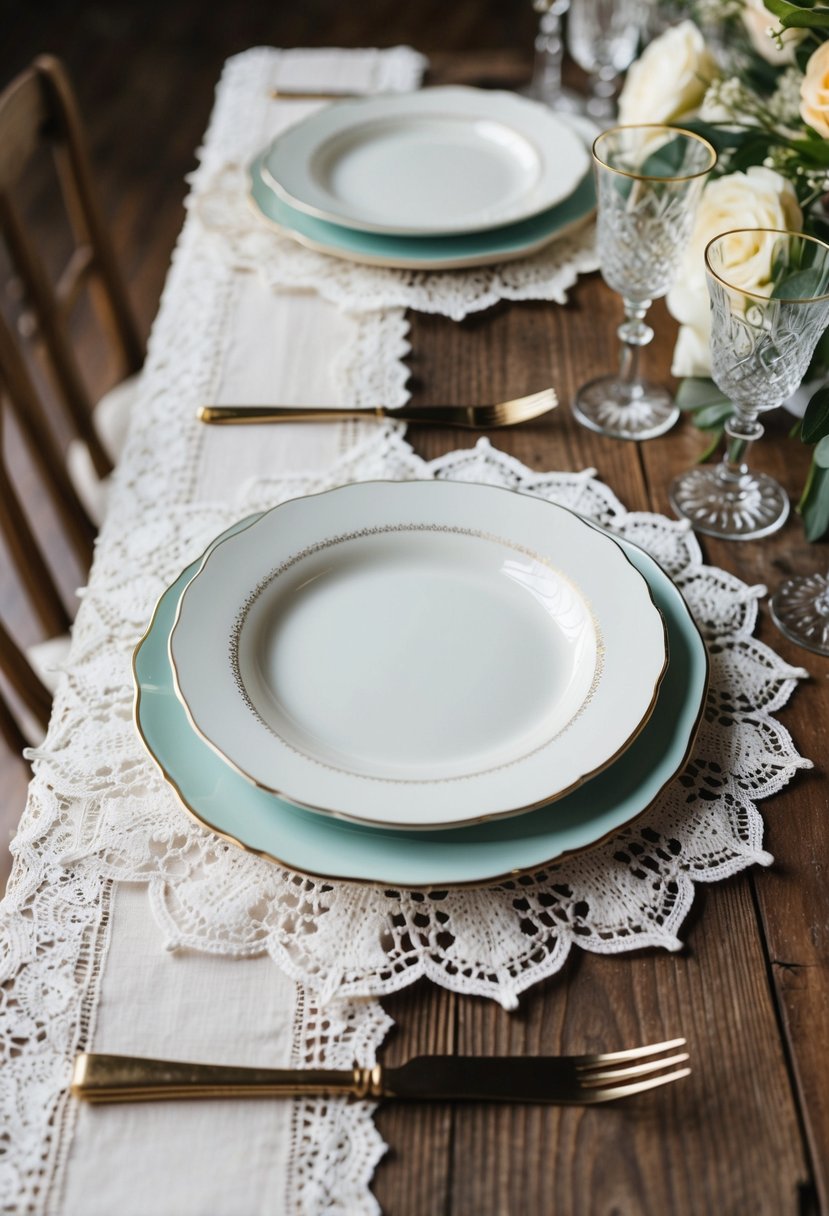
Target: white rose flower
point(759, 24)
point(670, 78)
point(814, 91)
point(758, 198)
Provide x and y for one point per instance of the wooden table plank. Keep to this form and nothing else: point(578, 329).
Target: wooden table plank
point(413, 1177)
point(792, 898)
point(725, 1140)
point(729, 1139)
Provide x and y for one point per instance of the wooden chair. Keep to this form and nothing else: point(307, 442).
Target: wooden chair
point(23, 673)
point(38, 108)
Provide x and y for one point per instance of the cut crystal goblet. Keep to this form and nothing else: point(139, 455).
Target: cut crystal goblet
point(648, 181)
point(769, 292)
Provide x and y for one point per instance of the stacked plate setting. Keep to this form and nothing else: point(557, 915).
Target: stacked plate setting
point(437, 179)
point(419, 683)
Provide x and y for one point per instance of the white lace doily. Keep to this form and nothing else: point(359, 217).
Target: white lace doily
point(219, 196)
point(347, 940)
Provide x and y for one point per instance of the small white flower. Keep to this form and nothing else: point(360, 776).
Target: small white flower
point(784, 103)
point(729, 101)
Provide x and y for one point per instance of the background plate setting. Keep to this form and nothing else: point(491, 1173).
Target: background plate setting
point(435, 162)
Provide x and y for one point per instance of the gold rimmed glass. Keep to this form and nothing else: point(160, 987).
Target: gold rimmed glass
point(769, 292)
point(648, 182)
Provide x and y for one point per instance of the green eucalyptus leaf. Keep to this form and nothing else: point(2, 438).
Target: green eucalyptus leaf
point(802, 55)
point(799, 16)
point(713, 415)
point(815, 424)
point(697, 392)
point(666, 161)
point(724, 136)
point(781, 8)
point(801, 285)
point(814, 152)
point(817, 19)
point(752, 151)
point(713, 447)
point(821, 455)
point(701, 398)
point(814, 505)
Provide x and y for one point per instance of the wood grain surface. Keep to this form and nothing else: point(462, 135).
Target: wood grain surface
point(748, 1132)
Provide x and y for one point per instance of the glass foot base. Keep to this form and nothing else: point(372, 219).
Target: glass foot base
point(800, 610)
point(755, 505)
point(605, 405)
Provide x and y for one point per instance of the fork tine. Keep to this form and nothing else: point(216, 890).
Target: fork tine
point(612, 1092)
point(630, 1053)
point(535, 403)
point(635, 1070)
point(540, 403)
point(520, 409)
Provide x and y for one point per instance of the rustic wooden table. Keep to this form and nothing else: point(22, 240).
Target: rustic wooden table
point(748, 1132)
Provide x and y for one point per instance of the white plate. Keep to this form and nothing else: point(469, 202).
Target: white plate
point(439, 161)
point(494, 246)
point(420, 654)
point(225, 802)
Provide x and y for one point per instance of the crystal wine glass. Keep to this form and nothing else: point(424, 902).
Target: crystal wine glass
point(769, 294)
point(648, 180)
point(546, 85)
point(602, 37)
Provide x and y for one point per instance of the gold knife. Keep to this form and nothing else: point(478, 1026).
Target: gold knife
point(558, 1080)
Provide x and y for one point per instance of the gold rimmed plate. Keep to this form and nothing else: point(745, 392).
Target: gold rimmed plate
point(435, 162)
point(418, 655)
point(215, 794)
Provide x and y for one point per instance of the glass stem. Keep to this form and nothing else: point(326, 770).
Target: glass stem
point(634, 334)
point(549, 55)
point(602, 92)
point(741, 430)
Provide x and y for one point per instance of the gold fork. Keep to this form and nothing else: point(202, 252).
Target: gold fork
point(560, 1080)
point(478, 417)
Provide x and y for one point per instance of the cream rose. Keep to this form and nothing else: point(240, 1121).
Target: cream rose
point(670, 78)
point(759, 23)
point(759, 198)
point(814, 92)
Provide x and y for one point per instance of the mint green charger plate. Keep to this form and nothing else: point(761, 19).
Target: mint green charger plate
point(494, 245)
point(321, 845)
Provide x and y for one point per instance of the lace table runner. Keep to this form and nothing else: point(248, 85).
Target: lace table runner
point(84, 959)
point(78, 956)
